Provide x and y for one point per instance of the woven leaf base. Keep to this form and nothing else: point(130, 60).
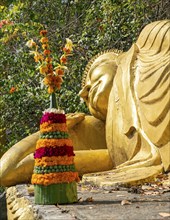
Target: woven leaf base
point(62, 193)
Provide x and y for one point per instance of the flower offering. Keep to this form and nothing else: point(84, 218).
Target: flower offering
point(54, 176)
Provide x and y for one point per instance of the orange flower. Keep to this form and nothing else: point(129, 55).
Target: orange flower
point(43, 69)
point(49, 66)
point(44, 40)
point(53, 161)
point(12, 90)
point(47, 80)
point(45, 46)
point(47, 52)
point(53, 143)
point(58, 79)
point(50, 89)
point(48, 59)
point(38, 57)
point(63, 59)
point(47, 127)
point(66, 50)
point(59, 71)
point(43, 32)
point(54, 178)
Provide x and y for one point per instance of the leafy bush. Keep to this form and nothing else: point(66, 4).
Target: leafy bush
point(93, 26)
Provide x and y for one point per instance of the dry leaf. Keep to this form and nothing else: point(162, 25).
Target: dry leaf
point(125, 202)
point(164, 214)
point(89, 199)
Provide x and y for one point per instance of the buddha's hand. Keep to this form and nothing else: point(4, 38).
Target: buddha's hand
point(74, 118)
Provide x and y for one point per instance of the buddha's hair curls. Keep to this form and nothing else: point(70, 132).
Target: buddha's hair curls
point(92, 60)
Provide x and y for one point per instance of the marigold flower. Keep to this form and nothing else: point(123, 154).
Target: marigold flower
point(53, 142)
point(12, 90)
point(52, 161)
point(48, 127)
point(54, 178)
point(43, 32)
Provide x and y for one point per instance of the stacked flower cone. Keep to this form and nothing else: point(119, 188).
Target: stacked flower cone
point(54, 175)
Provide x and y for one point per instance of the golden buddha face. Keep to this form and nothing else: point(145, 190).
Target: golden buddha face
point(98, 84)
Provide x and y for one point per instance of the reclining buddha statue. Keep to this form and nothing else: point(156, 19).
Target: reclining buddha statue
point(126, 139)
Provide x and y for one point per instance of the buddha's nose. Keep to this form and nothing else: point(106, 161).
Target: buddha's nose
point(84, 92)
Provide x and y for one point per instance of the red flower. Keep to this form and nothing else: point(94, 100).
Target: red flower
point(55, 118)
point(54, 151)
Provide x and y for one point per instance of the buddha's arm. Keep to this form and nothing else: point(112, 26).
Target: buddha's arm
point(86, 161)
point(11, 159)
point(17, 163)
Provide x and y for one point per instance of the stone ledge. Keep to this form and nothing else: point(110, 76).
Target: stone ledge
point(20, 206)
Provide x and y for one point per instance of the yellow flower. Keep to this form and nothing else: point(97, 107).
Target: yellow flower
point(69, 44)
point(45, 46)
point(43, 69)
point(38, 57)
point(30, 43)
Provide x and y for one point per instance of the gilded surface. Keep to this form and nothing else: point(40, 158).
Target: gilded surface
point(128, 95)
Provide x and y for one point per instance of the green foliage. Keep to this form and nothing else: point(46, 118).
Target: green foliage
point(93, 26)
